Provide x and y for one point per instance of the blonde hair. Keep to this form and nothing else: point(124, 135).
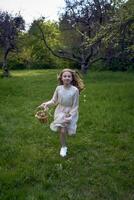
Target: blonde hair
point(77, 81)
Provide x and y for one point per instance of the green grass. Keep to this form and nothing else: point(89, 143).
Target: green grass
point(100, 161)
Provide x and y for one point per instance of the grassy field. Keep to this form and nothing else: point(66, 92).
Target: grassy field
point(100, 161)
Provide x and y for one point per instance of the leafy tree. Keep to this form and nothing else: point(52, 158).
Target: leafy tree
point(99, 29)
point(80, 24)
point(119, 40)
point(40, 53)
point(22, 58)
point(10, 27)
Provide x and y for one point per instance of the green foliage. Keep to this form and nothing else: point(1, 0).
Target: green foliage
point(119, 36)
point(32, 54)
point(10, 27)
point(85, 39)
point(98, 66)
point(100, 162)
point(115, 65)
point(40, 54)
point(118, 64)
point(14, 63)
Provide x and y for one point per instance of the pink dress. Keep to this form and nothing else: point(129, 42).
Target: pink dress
point(67, 101)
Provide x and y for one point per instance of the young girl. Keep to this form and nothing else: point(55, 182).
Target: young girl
point(66, 97)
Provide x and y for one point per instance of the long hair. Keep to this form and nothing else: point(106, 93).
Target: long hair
point(77, 81)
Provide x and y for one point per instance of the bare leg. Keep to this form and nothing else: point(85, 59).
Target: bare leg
point(63, 151)
point(63, 136)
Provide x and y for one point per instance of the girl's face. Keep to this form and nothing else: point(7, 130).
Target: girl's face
point(67, 78)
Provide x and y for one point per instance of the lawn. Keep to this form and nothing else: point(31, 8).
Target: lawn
point(100, 161)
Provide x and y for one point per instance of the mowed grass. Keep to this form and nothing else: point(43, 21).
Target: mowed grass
point(100, 161)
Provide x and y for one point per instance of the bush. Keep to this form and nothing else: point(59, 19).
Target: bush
point(16, 64)
point(118, 64)
point(115, 64)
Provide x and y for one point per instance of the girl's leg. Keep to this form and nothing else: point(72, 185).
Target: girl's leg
point(63, 136)
point(63, 151)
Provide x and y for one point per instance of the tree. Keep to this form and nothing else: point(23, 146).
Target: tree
point(91, 30)
point(85, 25)
point(105, 30)
point(39, 30)
point(119, 40)
point(80, 24)
point(10, 27)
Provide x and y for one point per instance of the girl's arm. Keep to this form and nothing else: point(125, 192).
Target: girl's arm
point(52, 102)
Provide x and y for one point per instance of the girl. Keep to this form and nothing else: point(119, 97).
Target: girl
point(66, 97)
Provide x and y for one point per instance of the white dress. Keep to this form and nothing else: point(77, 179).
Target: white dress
point(67, 101)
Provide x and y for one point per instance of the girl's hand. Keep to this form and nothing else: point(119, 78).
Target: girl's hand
point(43, 105)
point(68, 119)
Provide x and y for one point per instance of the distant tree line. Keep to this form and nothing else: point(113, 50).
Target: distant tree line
point(90, 34)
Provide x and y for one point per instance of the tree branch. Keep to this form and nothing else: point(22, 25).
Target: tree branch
point(62, 53)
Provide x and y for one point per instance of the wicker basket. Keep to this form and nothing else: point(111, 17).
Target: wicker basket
point(42, 116)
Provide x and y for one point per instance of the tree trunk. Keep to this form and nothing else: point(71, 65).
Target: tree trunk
point(84, 68)
point(4, 67)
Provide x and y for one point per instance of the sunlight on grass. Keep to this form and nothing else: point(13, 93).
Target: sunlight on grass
point(25, 73)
